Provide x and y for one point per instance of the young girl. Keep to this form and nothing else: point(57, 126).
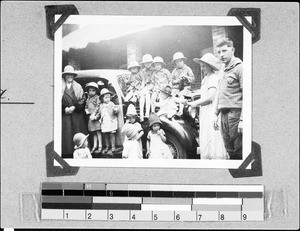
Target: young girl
point(135, 82)
point(131, 147)
point(108, 120)
point(160, 76)
point(131, 117)
point(81, 150)
point(156, 146)
point(92, 108)
point(167, 103)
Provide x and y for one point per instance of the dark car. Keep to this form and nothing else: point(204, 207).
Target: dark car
point(181, 132)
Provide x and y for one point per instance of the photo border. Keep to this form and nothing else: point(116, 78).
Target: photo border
point(161, 20)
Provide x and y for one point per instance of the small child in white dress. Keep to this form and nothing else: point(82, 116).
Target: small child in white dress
point(156, 138)
point(81, 150)
point(131, 147)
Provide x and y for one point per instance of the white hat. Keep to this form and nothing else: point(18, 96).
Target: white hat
point(92, 84)
point(131, 110)
point(147, 58)
point(79, 139)
point(133, 64)
point(69, 70)
point(178, 55)
point(158, 59)
point(210, 60)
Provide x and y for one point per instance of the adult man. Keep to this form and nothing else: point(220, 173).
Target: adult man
point(230, 99)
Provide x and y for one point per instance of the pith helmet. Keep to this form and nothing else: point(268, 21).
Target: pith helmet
point(131, 110)
point(79, 139)
point(178, 55)
point(153, 119)
point(158, 59)
point(93, 85)
point(209, 59)
point(69, 70)
point(133, 64)
point(147, 58)
point(105, 91)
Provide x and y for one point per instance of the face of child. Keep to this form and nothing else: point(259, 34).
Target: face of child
point(148, 65)
point(92, 92)
point(131, 119)
point(156, 127)
point(69, 78)
point(106, 98)
point(225, 53)
point(134, 70)
point(179, 63)
point(205, 68)
point(157, 66)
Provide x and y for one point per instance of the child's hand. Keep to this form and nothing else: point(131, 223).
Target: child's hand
point(148, 153)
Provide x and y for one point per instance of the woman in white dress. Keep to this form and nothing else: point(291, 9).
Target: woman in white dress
point(211, 141)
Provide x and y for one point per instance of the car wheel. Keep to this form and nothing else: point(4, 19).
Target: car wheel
point(177, 149)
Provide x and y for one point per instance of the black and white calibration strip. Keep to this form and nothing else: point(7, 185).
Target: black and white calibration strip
point(151, 202)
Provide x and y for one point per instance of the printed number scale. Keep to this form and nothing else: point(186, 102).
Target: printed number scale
point(145, 202)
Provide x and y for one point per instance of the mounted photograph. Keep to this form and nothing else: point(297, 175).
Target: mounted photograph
point(153, 91)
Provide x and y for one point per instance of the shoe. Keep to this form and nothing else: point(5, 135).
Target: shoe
point(105, 151)
point(99, 150)
point(93, 150)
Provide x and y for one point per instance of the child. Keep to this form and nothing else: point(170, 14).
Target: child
point(131, 145)
point(131, 116)
point(160, 76)
point(108, 120)
point(167, 103)
point(135, 82)
point(92, 108)
point(156, 146)
point(81, 150)
point(148, 86)
point(182, 76)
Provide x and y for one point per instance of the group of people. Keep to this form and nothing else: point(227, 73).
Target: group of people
point(154, 86)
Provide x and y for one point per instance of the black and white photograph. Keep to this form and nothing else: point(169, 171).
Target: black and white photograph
point(141, 91)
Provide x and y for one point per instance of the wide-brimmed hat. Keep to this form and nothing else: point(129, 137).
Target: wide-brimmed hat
point(130, 130)
point(153, 119)
point(147, 58)
point(131, 111)
point(79, 139)
point(69, 70)
point(133, 64)
point(209, 59)
point(178, 55)
point(158, 59)
point(93, 85)
point(105, 91)
point(166, 89)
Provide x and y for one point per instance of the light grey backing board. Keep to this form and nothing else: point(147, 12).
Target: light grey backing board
point(27, 57)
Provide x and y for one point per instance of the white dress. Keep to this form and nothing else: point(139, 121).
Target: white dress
point(139, 127)
point(131, 150)
point(82, 153)
point(211, 141)
point(158, 148)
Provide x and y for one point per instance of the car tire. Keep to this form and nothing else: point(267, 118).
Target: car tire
point(177, 149)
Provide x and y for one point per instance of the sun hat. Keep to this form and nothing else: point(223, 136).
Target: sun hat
point(133, 64)
point(209, 59)
point(130, 130)
point(178, 55)
point(69, 70)
point(154, 119)
point(158, 59)
point(105, 91)
point(166, 89)
point(93, 85)
point(147, 58)
point(79, 139)
point(131, 111)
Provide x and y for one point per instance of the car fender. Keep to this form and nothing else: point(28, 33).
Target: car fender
point(181, 130)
